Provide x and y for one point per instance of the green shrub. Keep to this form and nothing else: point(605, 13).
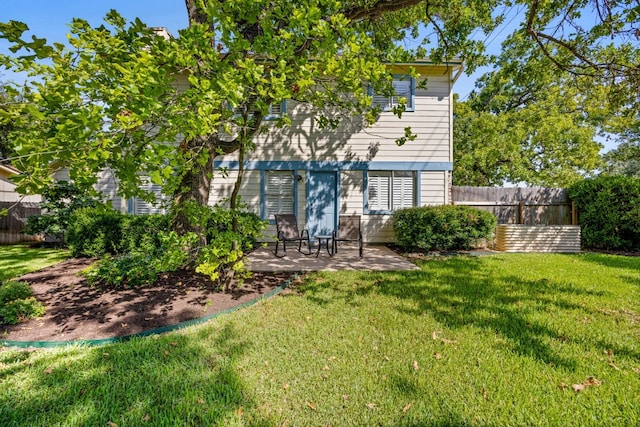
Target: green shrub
point(95, 232)
point(17, 303)
point(222, 258)
point(135, 249)
point(250, 226)
point(442, 227)
point(100, 231)
point(143, 232)
point(141, 267)
point(12, 290)
point(221, 261)
point(609, 212)
point(59, 202)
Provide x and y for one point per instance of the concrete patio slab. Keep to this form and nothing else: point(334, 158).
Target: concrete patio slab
point(375, 258)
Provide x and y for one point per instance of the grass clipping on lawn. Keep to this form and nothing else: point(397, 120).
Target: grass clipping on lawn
point(516, 339)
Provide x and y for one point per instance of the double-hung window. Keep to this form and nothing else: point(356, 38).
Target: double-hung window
point(276, 110)
point(403, 92)
point(278, 193)
point(391, 190)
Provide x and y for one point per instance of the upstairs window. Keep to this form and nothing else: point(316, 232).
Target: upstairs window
point(278, 193)
point(391, 190)
point(403, 90)
point(275, 110)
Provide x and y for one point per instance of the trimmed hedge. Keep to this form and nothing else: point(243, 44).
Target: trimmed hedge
point(609, 212)
point(445, 227)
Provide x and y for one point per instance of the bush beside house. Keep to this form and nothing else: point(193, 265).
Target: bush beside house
point(135, 249)
point(609, 212)
point(442, 227)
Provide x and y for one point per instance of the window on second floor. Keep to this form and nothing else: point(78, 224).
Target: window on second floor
point(276, 110)
point(404, 90)
point(391, 190)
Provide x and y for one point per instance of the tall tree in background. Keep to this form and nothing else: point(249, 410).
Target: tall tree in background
point(527, 123)
point(563, 77)
point(623, 160)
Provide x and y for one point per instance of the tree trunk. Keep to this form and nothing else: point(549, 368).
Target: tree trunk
point(193, 191)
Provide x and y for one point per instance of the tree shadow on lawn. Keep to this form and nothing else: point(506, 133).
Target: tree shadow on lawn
point(165, 380)
point(462, 292)
point(630, 263)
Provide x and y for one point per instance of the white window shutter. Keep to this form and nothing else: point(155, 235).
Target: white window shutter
point(403, 190)
point(275, 109)
point(279, 192)
point(379, 191)
point(381, 101)
point(402, 88)
point(142, 207)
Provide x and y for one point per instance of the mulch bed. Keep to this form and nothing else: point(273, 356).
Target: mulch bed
point(77, 311)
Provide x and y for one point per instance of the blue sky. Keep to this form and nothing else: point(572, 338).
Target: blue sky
point(50, 19)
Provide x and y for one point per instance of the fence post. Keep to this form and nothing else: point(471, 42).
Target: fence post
point(574, 214)
point(521, 213)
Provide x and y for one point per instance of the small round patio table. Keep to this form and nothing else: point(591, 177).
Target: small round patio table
point(326, 240)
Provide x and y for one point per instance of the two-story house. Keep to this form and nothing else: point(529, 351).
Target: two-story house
point(319, 174)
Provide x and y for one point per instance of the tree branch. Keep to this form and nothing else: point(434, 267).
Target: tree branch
point(378, 8)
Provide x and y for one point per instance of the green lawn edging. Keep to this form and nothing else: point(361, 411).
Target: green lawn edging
point(164, 329)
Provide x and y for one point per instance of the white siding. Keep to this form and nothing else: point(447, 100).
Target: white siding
point(108, 186)
point(352, 141)
point(8, 192)
point(222, 187)
point(433, 189)
point(351, 192)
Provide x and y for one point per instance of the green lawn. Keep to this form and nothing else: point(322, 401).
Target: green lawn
point(16, 260)
point(491, 341)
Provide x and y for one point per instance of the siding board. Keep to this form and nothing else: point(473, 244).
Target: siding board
point(527, 238)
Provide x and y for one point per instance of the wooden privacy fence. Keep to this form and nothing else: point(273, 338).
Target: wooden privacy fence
point(11, 225)
point(529, 206)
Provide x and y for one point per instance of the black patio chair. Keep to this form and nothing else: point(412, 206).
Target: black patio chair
point(349, 230)
point(288, 231)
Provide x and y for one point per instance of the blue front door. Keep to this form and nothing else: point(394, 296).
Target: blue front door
point(321, 203)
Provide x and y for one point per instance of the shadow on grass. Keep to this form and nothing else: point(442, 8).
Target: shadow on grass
point(462, 291)
point(629, 263)
point(613, 261)
point(169, 380)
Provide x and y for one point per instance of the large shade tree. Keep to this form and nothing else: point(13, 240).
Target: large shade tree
point(527, 123)
point(5, 127)
point(570, 72)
